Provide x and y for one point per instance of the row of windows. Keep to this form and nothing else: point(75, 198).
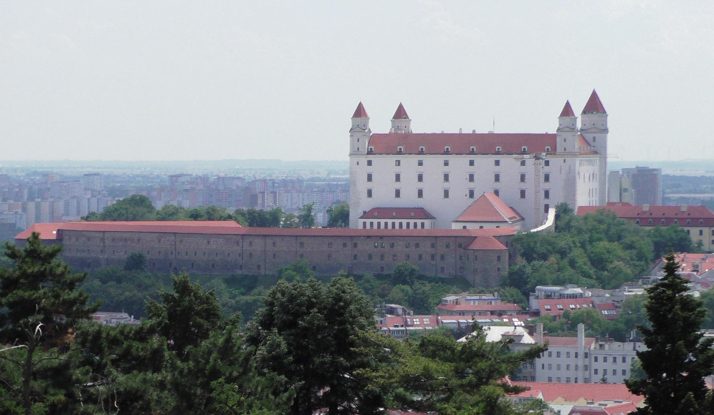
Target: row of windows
point(472, 162)
point(676, 222)
point(395, 225)
point(472, 177)
point(614, 372)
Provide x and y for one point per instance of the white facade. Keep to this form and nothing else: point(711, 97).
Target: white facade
point(444, 173)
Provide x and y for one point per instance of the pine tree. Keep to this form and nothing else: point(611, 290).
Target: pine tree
point(39, 305)
point(678, 358)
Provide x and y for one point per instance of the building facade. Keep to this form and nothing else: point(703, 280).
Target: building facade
point(480, 256)
point(637, 186)
point(445, 172)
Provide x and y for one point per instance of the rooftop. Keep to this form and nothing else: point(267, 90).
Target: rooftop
point(397, 213)
point(489, 208)
point(572, 392)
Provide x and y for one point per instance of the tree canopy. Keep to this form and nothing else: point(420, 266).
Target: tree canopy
point(338, 215)
point(678, 358)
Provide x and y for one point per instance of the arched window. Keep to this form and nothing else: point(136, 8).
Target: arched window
point(498, 149)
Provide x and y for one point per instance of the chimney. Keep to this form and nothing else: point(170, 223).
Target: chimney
point(645, 207)
point(539, 333)
point(581, 351)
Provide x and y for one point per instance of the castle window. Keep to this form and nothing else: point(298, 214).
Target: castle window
point(547, 149)
point(637, 221)
point(302, 244)
point(497, 163)
point(546, 207)
point(397, 193)
point(446, 177)
point(400, 149)
point(420, 177)
point(446, 193)
point(448, 245)
point(523, 194)
point(369, 162)
point(447, 149)
point(446, 163)
point(496, 177)
point(471, 193)
point(471, 163)
point(523, 177)
point(422, 149)
point(420, 193)
point(650, 222)
point(369, 193)
point(546, 194)
point(274, 243)
point(420, 163)
point(471, 177)
point(546, 178)
point(354, 245)
point(498, 149)
point(354, 257)
point(524, 149)
point(472, 149)
point(547, 163)
point(371, 149)
point(369, 177)
point(397, 177)
point(397, 163)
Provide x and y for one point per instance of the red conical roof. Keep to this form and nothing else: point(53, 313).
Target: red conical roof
point(401, 113)
point(360, 112)
point(567, 110)
point(594, 104)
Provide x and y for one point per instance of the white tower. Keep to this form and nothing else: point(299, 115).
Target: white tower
point(400, 121)
point(360, 131)
point(567, 141)
point(593, 126)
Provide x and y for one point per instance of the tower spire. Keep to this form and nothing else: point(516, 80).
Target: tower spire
point(567, 110)
point(360, 112)
point(401, 113)
point(594, 105)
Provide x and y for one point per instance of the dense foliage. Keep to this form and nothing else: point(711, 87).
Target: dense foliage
point(595, 250)
point(312, 346)
point(139, 208)
point(678, 358)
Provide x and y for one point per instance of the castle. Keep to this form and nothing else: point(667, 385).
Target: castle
point(444, 173)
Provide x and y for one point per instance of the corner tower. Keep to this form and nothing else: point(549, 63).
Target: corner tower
point(360, 131)
point(401, 123)
point(567, 141)
point(593, 126)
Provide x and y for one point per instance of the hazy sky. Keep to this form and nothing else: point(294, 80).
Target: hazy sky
point(173, 80)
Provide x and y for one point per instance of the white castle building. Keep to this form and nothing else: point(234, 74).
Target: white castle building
point(444, 173)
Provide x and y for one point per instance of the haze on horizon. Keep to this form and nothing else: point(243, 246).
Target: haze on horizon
point(176, 80)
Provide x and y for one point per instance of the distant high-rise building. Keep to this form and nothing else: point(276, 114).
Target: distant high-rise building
point(93, 181)
point(638, 186)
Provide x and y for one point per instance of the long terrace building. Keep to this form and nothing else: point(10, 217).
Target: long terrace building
point(479, 255)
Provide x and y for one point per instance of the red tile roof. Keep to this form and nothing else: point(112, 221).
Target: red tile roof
point(577, 303)
point(594, 105)
point(657, 214)
point(694, 263)
point(572, 392)
point(397, 213)
point(567, 341)
point(621, 409)
point(360, 112)
point(233, 228)
point(485, 143)
point(489, 208)
point(401, 113)
point(469, 307)
point(486, 243)
point(608, 306)
point(567, 110)
point(49, 230)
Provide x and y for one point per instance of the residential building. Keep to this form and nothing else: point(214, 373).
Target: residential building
point(637, 186)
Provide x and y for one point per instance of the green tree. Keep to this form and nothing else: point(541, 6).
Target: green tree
point(290, 221)
point(39, 307)
point(136, 261)
point(339, 215)
point(678, 358)
point(186, 316)
point(305, 216)
point(405, 273)
point(133, 208)
point(671, 238)
point(297, 271)
point(171, 213)
point(318, 339)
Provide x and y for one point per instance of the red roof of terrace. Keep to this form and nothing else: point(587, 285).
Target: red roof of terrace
point(482, 243)
point(47, 230)
point(572, 392)
point(668, 214)
point(489, 208)
point(485, 143)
